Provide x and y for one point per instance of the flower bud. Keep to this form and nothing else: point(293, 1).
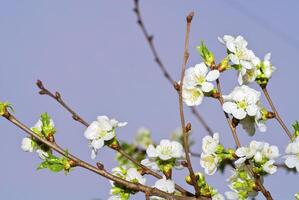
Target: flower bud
point(206, 55)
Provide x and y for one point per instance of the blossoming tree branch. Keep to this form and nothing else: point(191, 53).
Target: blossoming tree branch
point(242, 107)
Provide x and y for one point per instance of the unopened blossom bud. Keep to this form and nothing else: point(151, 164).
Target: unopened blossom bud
point(224, 64)
point(207, 56)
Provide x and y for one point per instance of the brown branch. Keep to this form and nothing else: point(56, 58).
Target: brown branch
point(181, 106)
point(149, 38)
point(98, 170)
point(276, 114)
point(76, 117)
point(57, 97)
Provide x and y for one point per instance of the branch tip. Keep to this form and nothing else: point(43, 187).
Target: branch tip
point(190, 17)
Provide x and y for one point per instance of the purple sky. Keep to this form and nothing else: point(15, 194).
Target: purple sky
point(95, 55)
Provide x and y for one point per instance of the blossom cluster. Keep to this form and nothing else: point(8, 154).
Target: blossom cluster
point(44, 127)
point(165, 156)
point(197, 83)
point(250, 68)
point(261, 154)
point(213, 153)
point(101, 132)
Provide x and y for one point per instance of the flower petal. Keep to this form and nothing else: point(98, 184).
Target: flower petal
point(229, 107)
point(207, 87)
point(213, 75)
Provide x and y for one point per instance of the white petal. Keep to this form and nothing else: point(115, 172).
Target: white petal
point(239, 113)
point(229, 107)
point(231, 46)
point(207, 87)
point(291, 161)
point(92, 131)
point(151, 151)
point(246, 64)
point(240, 161)
point(97, 144)
point(234, 59)
point(213, 75)
point(201, 69)
point(252, 110)
point(108, 136)
point(267, 56)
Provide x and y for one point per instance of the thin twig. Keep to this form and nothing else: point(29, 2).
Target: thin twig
point(100, 171)
point(181, 106)
point(276, 114)
point(58, 98)
point(149, 38)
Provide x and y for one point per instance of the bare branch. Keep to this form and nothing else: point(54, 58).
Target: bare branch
point(76, 117)
point(99, 169)
point(149, 39)
point(276, 114)
point(181, 106)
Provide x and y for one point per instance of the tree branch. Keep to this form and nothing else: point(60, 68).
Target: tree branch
point(100, 170)
point(277, 116)
point(76, 117)
point(149, 38)
point(181, 106)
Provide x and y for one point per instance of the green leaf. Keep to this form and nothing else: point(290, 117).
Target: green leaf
point(296, 128)
point(206, 55)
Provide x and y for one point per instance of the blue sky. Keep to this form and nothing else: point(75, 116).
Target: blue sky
point(95, 55)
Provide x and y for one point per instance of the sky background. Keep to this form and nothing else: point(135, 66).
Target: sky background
point(94, 53)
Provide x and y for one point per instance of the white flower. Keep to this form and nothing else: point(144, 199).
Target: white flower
point(164, 185)
point(241, 56)
point(271, 152)
point(42, 154)
point(218, 197)
point(192, 96)
point(269, 167)
point(165, 150)
point(209, 144)
point(27, 145)
point(134, 176)
point(100, 131)
point(201, 77)
point(198, 80)
point(242, 101)
point(244, 153)
point(292, 157)
point(265, 68)
point(209, 162)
